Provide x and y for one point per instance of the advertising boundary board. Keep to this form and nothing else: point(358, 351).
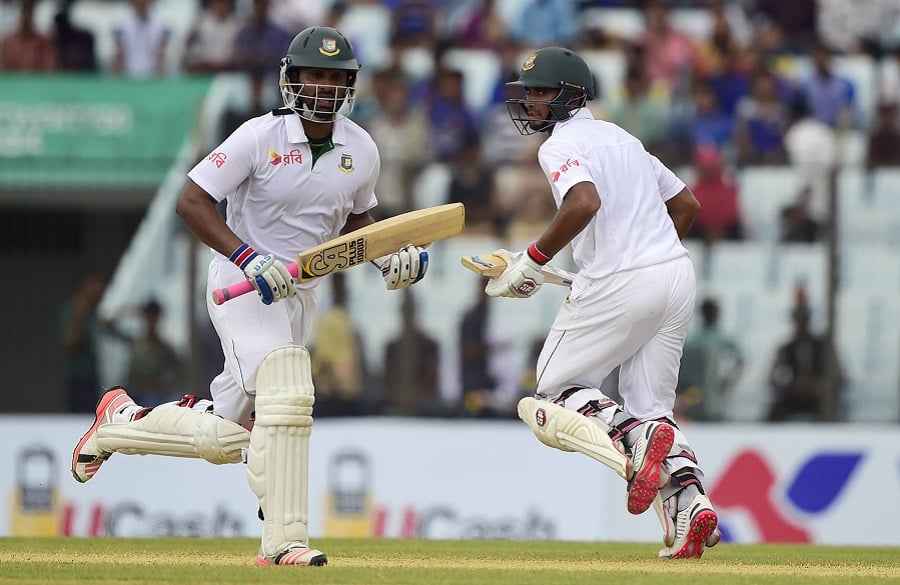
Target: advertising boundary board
point(452, 479)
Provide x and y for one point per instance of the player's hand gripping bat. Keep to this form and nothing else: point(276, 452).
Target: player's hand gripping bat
point(494, 264)
point(419, 227)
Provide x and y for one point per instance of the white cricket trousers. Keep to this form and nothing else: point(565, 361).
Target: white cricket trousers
point(639, 319)
point(249, 330)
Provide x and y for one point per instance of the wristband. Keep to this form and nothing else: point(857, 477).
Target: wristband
point(537, 255)
point(243, 255)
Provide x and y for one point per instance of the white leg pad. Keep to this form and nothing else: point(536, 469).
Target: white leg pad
point(278, 458)
point(177, 431)
point(568, 430)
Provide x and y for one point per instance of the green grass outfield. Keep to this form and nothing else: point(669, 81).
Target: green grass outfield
point(201, 561)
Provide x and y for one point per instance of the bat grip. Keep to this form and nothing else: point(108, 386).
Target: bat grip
point(221, 295)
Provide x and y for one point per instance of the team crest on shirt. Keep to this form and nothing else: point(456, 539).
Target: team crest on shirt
point(529, 62)
point(346, 163)
point(329, 47)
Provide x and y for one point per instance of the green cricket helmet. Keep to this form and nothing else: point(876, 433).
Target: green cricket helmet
point(318, 47)
point(552, 68)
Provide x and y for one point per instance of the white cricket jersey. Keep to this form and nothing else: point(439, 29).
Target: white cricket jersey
point(632, 229)
point(278, 202)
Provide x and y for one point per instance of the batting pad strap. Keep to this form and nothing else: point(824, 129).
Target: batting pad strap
point(284, 411)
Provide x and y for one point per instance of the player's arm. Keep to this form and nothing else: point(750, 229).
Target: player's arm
point(268, 274)
point(356, 221)
point(523, 275)
point(198, 210)
point(683, 209)
point(402, 268)
point(579, 206)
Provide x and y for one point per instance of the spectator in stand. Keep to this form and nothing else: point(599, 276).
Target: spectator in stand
point(478, 383)
point(411, 368)
point(481, 27)
point(414, 22)
point(811, 147)
point(449, 119)
point(723, 62)
point(211, 39)
point(336, 357)
point(719, 217)
point(708, 124)
point(155, 372)
point(669, 55)
point(856, 27)
point(831, 98)
point(80, 331)
point(761, 122)
point(141, 40)
point(473, 186)
point(401, 131)
point(710, 366)
point(797, 19)
point(883, 149)
point(641, 111)
point(796, 224)
point(75, 46)
point(544, 22)
point(24, 48)
point(802, 370)
point(259, 43)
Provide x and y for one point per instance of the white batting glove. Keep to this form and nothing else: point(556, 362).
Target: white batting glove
point(268, 275)
point(521, 279)
point(404, 267)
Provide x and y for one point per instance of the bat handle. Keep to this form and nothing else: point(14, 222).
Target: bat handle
point(221, 295)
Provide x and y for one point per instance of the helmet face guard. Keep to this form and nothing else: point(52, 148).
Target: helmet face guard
point(552, 68)
point(318, 47)
point(316, 103)
point(566, 102)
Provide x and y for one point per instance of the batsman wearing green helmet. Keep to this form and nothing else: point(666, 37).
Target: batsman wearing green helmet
point(293, 178)
point(624, 214)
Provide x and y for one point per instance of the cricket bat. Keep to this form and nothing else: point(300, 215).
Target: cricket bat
point(494, 264)
point(419, 227)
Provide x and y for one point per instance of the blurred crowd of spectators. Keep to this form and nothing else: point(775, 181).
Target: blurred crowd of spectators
point(747, 83)
point(709, 98)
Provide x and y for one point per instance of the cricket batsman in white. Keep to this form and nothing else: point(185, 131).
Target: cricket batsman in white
point(624, 214)
point(293, 178)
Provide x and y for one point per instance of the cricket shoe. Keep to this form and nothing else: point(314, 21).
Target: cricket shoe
point(88, 457)
point(667, 512)
point(649, 451)
point(695, 527)
point(297, 554)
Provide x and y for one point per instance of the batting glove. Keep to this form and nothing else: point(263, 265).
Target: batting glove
point(404, 267)
point(521, 279)
point(266, 273)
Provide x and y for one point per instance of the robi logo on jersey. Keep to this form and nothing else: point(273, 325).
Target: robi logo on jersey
point(749, 486)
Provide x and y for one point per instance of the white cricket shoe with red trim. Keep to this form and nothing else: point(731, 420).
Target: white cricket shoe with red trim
point(88, 457)
point(647, 455)
point(695, 527)
point(295, 554)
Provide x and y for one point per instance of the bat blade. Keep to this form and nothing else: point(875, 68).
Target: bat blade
point(419, 227)
point(493, 264)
